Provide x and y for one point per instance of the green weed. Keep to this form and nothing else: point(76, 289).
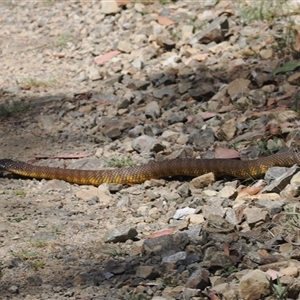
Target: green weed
point(34, 82)
point(24, 255)
point(63, 40)
point(169, 281)
point(119, 162)
point(261, 10)
point(39, 244)
point(16, 219)
point(13, 109)
point(20, 193)
point(116, 252)
point(37, 265)
point(280, 292)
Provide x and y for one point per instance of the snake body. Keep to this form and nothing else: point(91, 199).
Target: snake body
point(154, 170)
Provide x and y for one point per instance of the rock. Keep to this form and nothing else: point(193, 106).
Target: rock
point(115, 267)
point(184, 190)
point(104, 195)
point(204, 92)
point(238, 87)
point(164, 244)
point(182, 212)
point(93, 73)
point(214, 33)
point(146, 144)
point(165, 42)
point(56, 185)
point(216, 259)
point(195, 219)
point(227, 130)
point(87, 194)
point(13, 289)
point(234, 216)
point(152, 110)
point(227, 191)
point(162, 92)
point(294, 79)
point(211, 212)
point(202, 140)
point(266, 53)
point(138, 64)
point(257, 97)
point(202, 181)
point(254, 215)
point(110, 7)
point(147, 272)
point(288, 116)
point(290, 271)
point(254, 285)
point(187, 31)
point(139, 7)
point(121, 234)
point(281, 182)
point(34, 280)
point(198, 280)
point(124, 46)
point(216, 224)
point(274, 173)
point(273, 206)
point(174, 258)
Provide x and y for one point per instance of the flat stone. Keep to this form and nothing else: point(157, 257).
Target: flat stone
point(110, 7)
point(124, 46)
point(147, 144)
point(121, 234)
point(202, 181)
point(238, 87)
point(195, 219)
point(152, 109)
point(182, 212)
point(254, 285)
point(198, 280)
point(162, 92)
point(254, 215)
point(174, 258)
point(163, 244)
point(115, 267)
point(147, 272)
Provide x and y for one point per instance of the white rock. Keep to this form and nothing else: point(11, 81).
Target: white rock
point(182, 212)
point(110, 7)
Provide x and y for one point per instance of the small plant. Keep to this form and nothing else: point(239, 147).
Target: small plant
point(116, 252)
point(260, 10)
point(13, 109)
point(137, 297)
point(292, 218)
point(117, 162)
point(17, 219)
point(37, 265)
point(63, 40)
point(230, 270)
point(49, 2)
point(39, 244)
point(24, 255)
point(169, 281)
point(278, 289)
point(33, 82)
point(56, 230)
point(20, 193)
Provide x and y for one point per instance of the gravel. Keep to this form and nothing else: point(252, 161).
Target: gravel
point(92, 85)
